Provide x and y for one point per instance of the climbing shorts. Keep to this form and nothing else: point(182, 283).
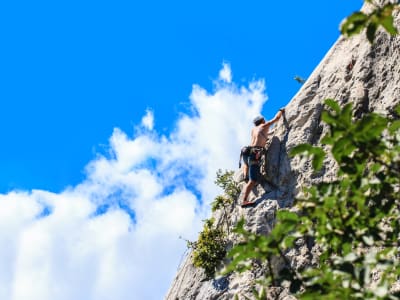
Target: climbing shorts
point(253, 162)
point(254, 172)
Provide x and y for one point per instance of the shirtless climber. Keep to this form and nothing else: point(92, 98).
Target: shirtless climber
point(259, 137)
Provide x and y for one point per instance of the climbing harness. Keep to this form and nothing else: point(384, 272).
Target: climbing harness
point(253, 152)
point(244, 152)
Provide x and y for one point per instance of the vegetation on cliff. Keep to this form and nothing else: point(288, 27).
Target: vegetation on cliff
point(353, 219)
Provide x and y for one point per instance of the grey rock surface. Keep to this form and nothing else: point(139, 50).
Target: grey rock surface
point(352, 71)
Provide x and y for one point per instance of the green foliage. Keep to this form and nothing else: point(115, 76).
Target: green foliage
point(231, 193)
point(227, 183)
point(355, 219)
point(231, 190)
point(380, 16)
point(266, 248)
point(210, 249)
point(220, 202)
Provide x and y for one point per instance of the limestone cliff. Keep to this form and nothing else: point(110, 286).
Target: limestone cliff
point(352, 71)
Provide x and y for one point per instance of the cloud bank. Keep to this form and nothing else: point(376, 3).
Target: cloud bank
point(116, 234)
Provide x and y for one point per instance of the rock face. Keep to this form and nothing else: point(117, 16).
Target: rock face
point(352, 71)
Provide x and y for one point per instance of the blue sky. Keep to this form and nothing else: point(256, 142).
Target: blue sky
point(72, 71)
point(114, 117)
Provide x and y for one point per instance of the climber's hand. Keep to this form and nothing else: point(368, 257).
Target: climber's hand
point(282, 109)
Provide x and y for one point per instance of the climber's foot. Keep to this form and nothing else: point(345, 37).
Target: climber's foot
point(247, 203)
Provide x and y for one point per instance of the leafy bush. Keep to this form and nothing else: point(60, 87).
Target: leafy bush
point(210, 249)
point(354, 219)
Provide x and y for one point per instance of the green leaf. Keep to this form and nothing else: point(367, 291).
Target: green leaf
point(371, 30)
point(397, 109)
point(385, 16)
point(284, 215)
point(318, 159)
point(288, 241)
point(343, 147)
point(299, 149)
point(345, 116)
point(333, 104)
point(239, 228)
point(370, 127)
point(328, 118)
point(394, 126)
point(354, 23)
point(327, 140)
point(388, 24)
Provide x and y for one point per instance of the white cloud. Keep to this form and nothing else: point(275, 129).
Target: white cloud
point(116, 234)
point(148, 120)
point(225, 74)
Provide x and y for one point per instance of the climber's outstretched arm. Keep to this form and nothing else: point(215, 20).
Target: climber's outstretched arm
point(276, 118)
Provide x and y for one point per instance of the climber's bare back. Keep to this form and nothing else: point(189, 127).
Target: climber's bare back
point(259, 135)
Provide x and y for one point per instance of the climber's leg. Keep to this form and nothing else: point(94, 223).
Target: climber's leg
point(246, 172)
point(246, 167)
point(254, 171)
point(247, 189)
